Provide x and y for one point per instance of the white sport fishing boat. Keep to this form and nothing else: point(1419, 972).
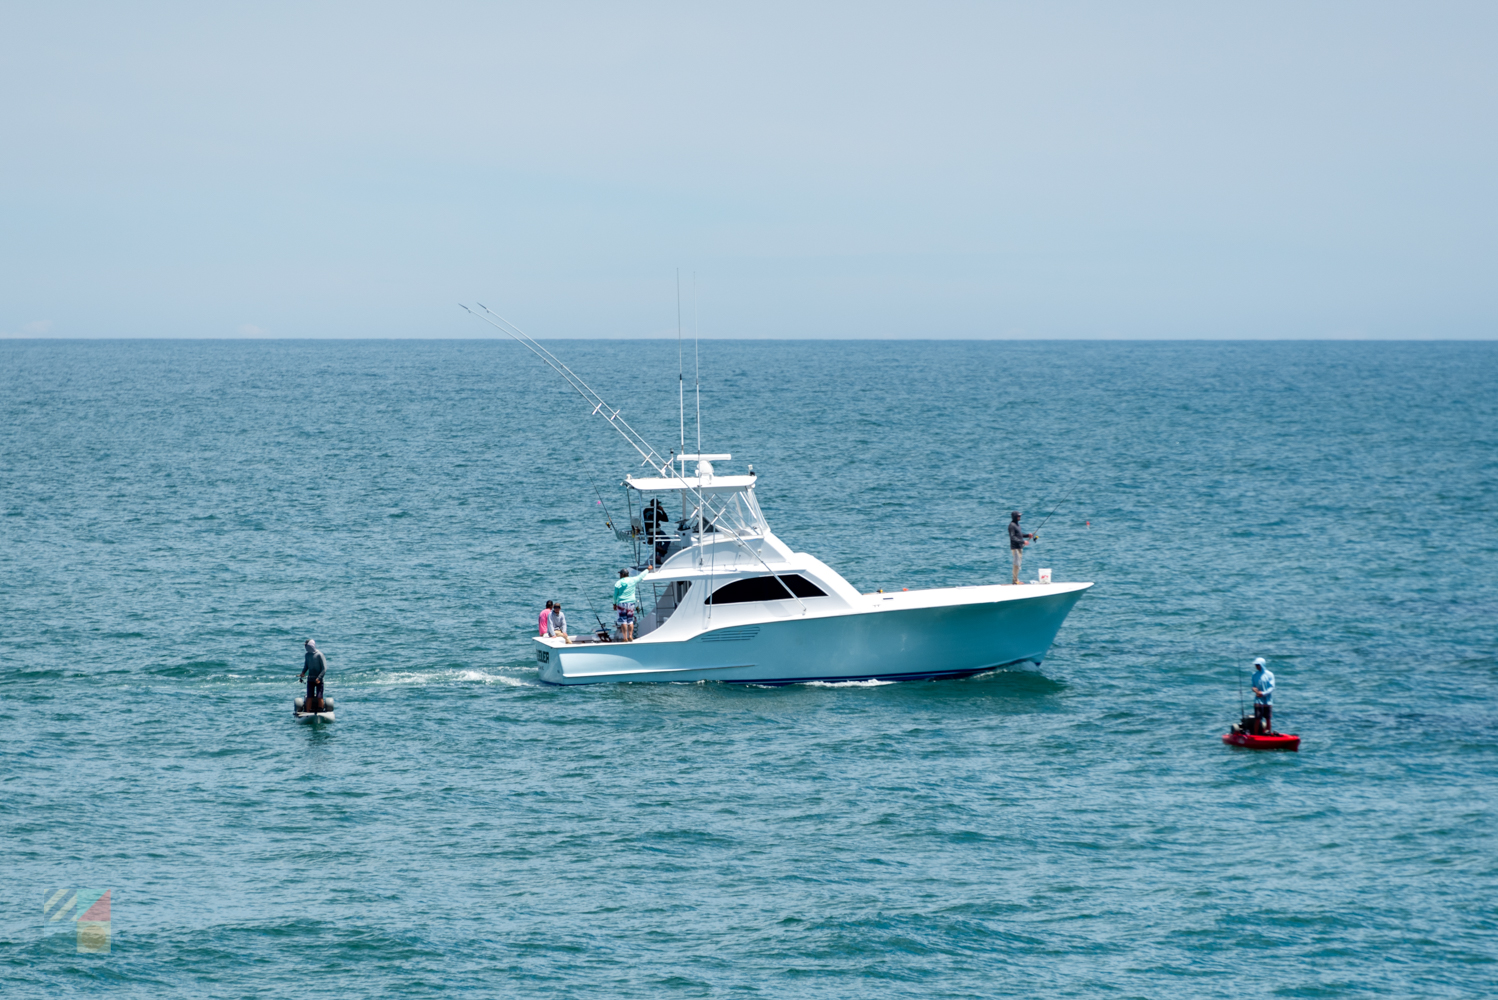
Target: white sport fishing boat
point(729, 601)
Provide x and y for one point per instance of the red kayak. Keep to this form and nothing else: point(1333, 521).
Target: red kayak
point(1278, 741)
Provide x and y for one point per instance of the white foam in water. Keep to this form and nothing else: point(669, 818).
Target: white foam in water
point(446, 676)
point(404, 678)
point(848, 684)
point(488, 678)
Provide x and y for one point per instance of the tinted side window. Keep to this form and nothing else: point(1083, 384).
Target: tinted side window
point(765, 588)
point(802, 587)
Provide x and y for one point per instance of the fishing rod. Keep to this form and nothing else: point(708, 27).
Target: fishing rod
point(1036, 533)
point(602, 628)
point(608, 519)
point(629, 504)
point(1239, 685)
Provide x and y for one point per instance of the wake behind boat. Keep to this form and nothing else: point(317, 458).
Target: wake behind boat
point(722, 598)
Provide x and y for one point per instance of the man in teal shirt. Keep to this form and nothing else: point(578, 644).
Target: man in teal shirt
point(1263, 685)
point(626, 601)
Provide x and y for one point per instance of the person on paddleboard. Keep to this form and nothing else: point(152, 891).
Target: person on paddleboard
point(1017, 542)
point(314, 667)
point(1263, 684)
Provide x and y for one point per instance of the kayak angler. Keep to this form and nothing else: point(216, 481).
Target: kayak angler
point(1256, 732)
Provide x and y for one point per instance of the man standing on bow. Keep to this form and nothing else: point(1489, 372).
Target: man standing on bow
point(1263, 684)
point(1017, 542)
point(314, 666)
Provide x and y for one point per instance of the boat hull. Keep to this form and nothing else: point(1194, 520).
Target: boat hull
point(913, 643)
point(1249, 741)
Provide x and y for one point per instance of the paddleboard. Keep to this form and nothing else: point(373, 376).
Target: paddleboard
point(326, 715)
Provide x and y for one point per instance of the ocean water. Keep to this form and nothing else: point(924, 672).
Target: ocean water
point(175, 518)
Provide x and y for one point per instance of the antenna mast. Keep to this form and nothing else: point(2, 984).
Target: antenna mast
point(697, 357)
point(681, 385)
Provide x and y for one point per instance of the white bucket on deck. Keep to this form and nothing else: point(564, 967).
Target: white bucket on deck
point(1045, 576)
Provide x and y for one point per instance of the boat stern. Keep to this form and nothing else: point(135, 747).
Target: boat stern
point(549, 658)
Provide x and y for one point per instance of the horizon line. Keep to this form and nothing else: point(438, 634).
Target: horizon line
point(11, 338)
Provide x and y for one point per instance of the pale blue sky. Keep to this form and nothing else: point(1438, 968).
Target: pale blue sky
point(922, 170)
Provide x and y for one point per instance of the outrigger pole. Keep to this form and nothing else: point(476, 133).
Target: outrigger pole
point(650, 455)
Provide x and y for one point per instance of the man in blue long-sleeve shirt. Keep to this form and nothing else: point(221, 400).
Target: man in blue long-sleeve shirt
point(314, 667)
point(1263, 685)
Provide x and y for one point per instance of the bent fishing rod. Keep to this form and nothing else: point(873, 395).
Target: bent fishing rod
point(1036, 533)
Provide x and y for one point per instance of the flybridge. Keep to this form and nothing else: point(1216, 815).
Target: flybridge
point(722, 513)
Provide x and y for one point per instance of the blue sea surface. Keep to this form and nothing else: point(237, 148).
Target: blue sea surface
point(176, 517)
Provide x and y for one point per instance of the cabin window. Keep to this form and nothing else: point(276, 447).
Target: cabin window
point(765, 588)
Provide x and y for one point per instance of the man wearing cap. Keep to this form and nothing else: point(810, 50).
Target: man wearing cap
point(1263, 685)
point(1017, 542)
point(626, 602)
point(314, 666)
point(559, 622)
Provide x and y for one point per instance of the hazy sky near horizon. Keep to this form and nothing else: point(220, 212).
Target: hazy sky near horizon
point(1274, 169)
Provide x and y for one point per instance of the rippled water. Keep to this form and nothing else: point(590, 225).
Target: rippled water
point(177, 517)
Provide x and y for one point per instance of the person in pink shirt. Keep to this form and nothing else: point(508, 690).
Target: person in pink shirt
point(545, 620)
